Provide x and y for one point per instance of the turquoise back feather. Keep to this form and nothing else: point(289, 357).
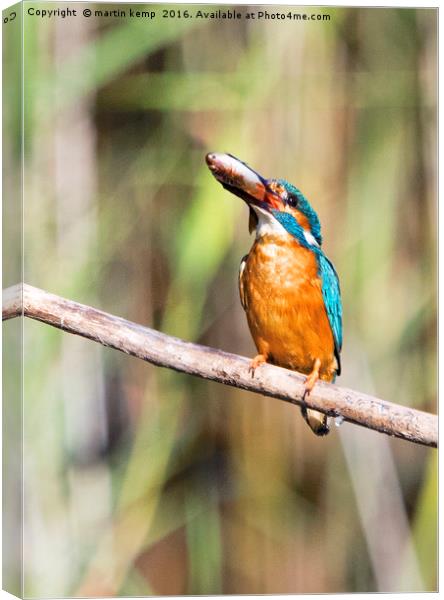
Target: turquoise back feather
point(332, 299)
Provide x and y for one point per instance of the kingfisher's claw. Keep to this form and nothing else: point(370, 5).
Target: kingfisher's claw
point(256, 362)
point(311, 380)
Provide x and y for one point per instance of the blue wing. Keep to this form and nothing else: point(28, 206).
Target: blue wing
point(332, 299)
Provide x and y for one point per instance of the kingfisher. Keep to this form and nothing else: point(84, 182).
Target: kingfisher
point(288, 288)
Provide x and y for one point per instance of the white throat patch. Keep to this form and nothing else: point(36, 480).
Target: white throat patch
point(268, 225)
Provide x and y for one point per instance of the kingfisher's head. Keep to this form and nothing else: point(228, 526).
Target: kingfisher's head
point(275, 205)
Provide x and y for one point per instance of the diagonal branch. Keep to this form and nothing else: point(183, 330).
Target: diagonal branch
point(166, 351)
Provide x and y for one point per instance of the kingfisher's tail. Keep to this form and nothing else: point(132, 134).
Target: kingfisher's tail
point(318, 422)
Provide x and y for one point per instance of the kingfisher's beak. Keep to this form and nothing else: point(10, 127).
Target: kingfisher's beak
point(241, 180)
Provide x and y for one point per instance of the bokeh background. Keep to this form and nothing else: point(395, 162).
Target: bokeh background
point(143, 481)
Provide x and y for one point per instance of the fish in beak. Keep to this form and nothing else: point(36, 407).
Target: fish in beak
point(240, 179)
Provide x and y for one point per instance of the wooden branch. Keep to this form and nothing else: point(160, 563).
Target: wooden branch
point(230, 369)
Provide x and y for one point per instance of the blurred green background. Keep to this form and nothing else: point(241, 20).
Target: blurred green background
point(142, 481)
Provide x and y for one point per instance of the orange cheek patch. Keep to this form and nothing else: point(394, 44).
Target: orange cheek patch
point(300, 218)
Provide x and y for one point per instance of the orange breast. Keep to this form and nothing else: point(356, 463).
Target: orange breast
point(285, 307)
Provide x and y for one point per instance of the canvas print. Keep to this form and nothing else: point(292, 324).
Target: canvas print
point(219, 303)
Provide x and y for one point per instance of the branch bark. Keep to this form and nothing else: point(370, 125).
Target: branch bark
point(209, 363)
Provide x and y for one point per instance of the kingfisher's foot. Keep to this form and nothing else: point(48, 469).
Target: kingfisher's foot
point(257, 362)
point(311, 380)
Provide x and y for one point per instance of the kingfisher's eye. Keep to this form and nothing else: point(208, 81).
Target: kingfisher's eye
point(292, 200)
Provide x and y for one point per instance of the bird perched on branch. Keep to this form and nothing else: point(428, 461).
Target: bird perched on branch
point(288, 287)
